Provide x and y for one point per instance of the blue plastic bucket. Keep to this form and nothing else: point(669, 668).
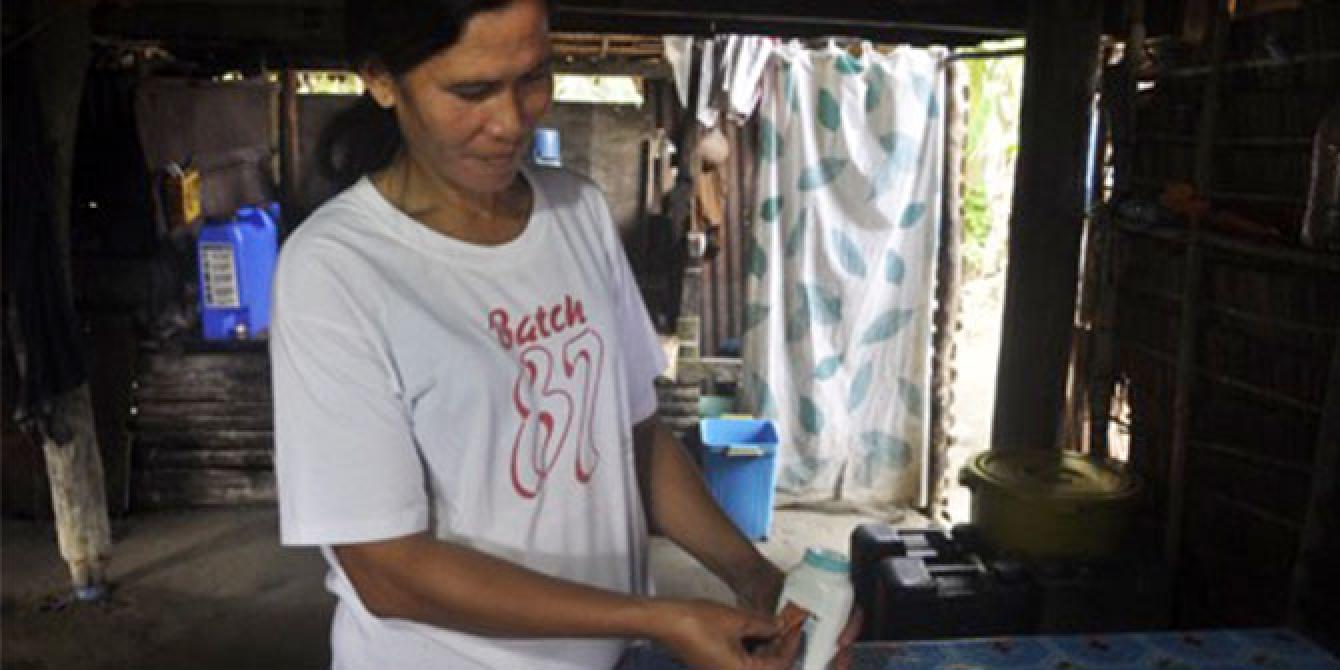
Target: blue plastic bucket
point(740, 466)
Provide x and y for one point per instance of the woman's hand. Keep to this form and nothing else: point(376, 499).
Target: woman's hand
point(709, 636)
point(842, 660)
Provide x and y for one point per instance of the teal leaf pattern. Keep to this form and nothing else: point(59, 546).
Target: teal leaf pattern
point(825, 307)
point(849, 254)
point(912, 397)
point(913, 215)
point(882, 180)
point(888, 325)
point(757, 265)
point(921, 86)
point(860, 387)
point(830, 112)
point(821, 174)
point(798, 321)
point(874, 92)
point(895, 269)
point(895, 163)
point(772, 208)
point(883, 450)
point(754, 315)
point(796, 236)
point(828, 367)
point(848, 64)
point(889, 142)
point(800, 472)
point(770, 141)
point(767, 407)
point(811, 417)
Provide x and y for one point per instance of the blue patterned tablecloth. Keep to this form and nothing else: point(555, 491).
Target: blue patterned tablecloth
point(1251, 649)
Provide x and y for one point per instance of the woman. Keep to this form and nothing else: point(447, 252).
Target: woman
point(465, 417)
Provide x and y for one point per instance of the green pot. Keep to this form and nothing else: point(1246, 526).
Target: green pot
point(1050, 504)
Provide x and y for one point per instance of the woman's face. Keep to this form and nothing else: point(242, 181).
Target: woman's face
point(468, 112)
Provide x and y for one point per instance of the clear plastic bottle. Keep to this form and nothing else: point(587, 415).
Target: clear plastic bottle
point(821, 585)
point(1321, 222)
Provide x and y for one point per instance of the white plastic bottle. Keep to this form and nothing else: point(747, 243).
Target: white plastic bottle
point(821, 585)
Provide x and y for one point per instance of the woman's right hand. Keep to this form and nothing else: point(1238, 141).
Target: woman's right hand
point(710, 636)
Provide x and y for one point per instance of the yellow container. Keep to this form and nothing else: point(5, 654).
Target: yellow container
point(1050, 504)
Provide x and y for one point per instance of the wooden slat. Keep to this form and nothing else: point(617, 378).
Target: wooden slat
point(201, 423)
point(160, 488)
point(242, 459)
point(218, 440)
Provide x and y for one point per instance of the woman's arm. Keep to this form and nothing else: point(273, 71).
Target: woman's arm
point(680, 507)
point(422, 579)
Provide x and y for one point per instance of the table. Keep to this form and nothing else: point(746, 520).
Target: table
point(1247, 649)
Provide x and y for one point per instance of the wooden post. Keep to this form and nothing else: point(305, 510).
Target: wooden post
point(78, 496)
point(1323, 495)
point(74, 463)
point(949, 283)
point(1189, 323)
point(289, 169)
point(1047, 222)
point(1122, 122)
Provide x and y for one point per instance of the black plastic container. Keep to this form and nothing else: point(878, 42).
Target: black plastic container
point(874, 542)
point(942, 552)
point(870, 543)
point(932, 598)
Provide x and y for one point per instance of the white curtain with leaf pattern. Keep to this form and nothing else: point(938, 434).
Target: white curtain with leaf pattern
point(841, 269)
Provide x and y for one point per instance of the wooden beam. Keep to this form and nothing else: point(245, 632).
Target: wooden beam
point(1047, 222)
point(310, 32)
point(951, 21)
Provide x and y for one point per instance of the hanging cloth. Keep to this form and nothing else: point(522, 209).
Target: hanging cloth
point(841, 268)
point(729, 74)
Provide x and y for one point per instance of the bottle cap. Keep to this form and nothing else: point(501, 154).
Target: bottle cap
point(827, 560)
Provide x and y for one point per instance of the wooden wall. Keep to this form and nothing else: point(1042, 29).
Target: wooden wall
point(1225, 328)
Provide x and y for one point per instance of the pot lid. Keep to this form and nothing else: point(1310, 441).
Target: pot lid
point(1053, 475)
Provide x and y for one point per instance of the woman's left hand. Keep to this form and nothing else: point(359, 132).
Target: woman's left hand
point(759, 592)
point(842, 660)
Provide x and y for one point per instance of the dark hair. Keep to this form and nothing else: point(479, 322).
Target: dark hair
point(394, 36)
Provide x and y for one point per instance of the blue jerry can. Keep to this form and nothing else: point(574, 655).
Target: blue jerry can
point(237, 264)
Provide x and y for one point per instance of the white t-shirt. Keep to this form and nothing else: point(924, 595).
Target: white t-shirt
point(485, 392)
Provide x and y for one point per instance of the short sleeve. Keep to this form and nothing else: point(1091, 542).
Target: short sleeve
point(643, 357)
point(346, 463)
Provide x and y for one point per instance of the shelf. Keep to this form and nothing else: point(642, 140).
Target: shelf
point(1303, 143)
point(1244, 316)
point(1303, 258)
point(1229, 382)
point(1255, 64)
point(1232, 196)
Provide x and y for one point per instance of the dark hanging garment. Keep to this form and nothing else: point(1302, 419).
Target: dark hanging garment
point(41, 329)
